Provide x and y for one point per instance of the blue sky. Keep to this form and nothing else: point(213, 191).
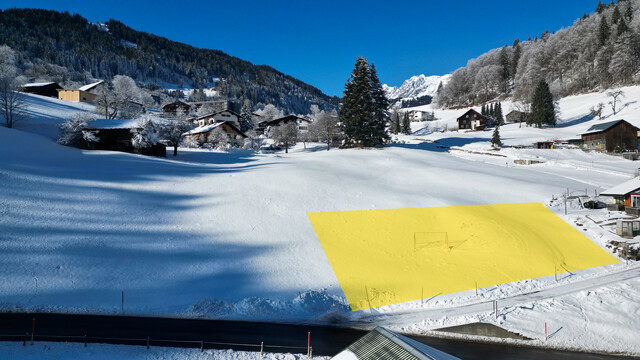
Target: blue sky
point(318, 41)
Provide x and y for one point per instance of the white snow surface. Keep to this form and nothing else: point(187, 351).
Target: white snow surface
point(416, 86)
point(76, 351)
point(226, 235)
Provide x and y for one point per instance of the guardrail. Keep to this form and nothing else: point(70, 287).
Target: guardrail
point(148, 342)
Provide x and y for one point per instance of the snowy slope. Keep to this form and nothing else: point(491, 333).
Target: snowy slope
point(226, 234)
point(416, 86)
point(45, 114)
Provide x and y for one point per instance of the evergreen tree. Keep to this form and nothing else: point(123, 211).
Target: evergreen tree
point(498, 115)
point(491, 110)
point(362, 123)
point(406, 124)
point(628, 13)
point(380, 105)
point(616, 16)
point(395, 122)
point(543, 110)
point(603, 32)
point(483, 111)
point(622, 27)
point(515, 58)
point(600, 8)
point(246, 120)
point(495, 139)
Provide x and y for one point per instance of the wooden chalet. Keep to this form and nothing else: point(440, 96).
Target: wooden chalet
point(172, 108)
point(202, 134)
point(303, 124)
point(472, 120)
point(116, 135)
point(612, 136)
point(516, 116)
point(49, 89)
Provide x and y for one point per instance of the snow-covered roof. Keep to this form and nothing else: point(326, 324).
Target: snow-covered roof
point(90, 86)
point(38, 84)
point(204, 128)
point(113, 124)
point(382, 343)
point(624, 188)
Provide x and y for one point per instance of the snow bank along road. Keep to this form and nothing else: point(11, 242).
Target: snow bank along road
point(409, 317)
point(189, 332)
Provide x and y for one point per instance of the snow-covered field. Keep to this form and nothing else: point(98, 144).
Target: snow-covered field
point(226, 235)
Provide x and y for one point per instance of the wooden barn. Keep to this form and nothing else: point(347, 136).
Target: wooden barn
point(516, 116)
point(116, 135)
point(472, 120)
point(173, 107)
point(202, 133)
point(612, 136)
point(49, 89)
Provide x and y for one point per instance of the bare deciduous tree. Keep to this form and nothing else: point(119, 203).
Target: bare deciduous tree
point(615, 96)
point(12, 102)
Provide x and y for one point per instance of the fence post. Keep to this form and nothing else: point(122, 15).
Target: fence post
point(24, 343)
point(148, 343)
point(309, 343)
point(202, 346)
point(311, 352)
point(545, 331)
point(261, 348)
point(33, 329)
point(85, 340)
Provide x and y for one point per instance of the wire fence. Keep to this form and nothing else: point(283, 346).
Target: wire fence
point(30, 339)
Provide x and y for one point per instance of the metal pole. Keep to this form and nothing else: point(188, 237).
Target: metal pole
point(261, 347)
point(33, 329)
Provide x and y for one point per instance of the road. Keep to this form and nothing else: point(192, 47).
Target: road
point(238, 335)
point(416, 316)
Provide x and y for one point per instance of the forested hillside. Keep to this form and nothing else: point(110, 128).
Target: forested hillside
point(67, 48)
point(598, 51)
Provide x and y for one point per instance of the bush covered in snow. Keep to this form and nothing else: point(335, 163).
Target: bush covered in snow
point(73, 133)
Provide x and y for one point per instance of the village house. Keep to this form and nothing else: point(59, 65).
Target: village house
point(116, 135)
point(472, 120)
point(219, 116)
point(625, 195)
point(49, 89)
point(172, 108)
point(302, 123)
point(202, 134)
point(612, 136)
point(82, 94)
point(418, 115)
point(515, 116)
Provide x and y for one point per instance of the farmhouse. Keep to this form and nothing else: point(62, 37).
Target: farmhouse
point(303, 124)
point(202, 134)
point(418, 115)
point(219, 116)
point(116, 135)
point(516, 116)
point(612, 136)
point(472, 120)
point(45, 89)
point(82, 94)
point(172, 108)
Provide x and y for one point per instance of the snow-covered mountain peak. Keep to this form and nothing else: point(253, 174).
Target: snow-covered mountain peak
point(416, 86)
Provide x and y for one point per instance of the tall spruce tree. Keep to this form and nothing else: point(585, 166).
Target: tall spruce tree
point(364, 107)
point(395, 122)
point(498, 115)
point(246, 120)
point(543, 110)
point(483, 111)
point(406, 124)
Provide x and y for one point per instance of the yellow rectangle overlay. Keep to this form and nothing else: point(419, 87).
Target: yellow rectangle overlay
point(384, 257)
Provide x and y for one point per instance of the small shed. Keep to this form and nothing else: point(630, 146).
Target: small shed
point(611, 136)
point(49, 89)
point(628, 228)
point(543, 145)
point(117, 135)
point(472, 120)
point(626, 194)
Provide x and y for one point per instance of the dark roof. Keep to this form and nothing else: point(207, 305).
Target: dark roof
point(209, 127)
point(601, 127)
point(471, 111)
point(285, 119)
point(176, 104)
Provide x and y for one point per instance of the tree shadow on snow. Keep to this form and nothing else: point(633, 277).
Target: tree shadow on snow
point(441, 145)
